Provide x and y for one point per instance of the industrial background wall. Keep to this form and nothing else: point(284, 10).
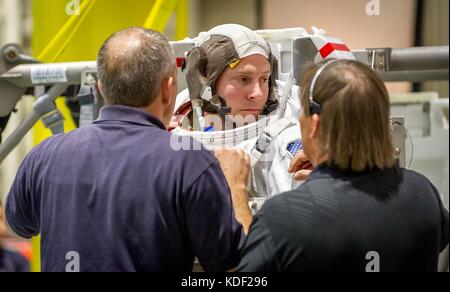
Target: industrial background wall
point(393, 27)
point(400, 23)
point(215, 12)
point(434, 31)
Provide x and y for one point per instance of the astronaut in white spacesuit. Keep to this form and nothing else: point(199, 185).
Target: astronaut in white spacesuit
point(231, 77)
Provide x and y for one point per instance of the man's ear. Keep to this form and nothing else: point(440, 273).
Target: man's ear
point(315, 124)
point(167, 88)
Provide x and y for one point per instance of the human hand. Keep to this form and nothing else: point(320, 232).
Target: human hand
point(300, 166)
point(235, 165)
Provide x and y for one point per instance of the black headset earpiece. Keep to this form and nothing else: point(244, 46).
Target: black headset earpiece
point(314, 107)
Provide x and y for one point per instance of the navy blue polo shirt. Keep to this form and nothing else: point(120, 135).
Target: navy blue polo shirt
point(116, 196)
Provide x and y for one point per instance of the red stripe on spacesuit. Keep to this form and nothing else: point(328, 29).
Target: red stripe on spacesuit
point(180, 62)
point(331, 47)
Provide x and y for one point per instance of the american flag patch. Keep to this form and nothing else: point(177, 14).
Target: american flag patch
point(294, 147)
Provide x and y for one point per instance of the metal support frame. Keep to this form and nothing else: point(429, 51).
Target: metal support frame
point(427, 63)
point(44, 108)
point(399, 136)
point(408, 64)
point(16, 78)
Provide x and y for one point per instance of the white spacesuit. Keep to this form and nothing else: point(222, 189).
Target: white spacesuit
point(269, 171)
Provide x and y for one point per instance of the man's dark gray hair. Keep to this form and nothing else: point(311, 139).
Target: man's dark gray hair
point(132, 65)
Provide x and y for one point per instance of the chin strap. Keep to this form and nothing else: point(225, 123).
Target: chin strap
point(209, 103)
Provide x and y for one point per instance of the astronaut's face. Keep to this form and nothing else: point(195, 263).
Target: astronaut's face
point(245, 87)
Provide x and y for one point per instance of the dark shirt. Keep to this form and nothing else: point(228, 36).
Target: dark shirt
point(390, 220)
point(13, 262)
point(118, 197)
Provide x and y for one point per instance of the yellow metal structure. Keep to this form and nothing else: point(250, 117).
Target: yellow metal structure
point(182, 20)
point(59, 37)
point(160, 14)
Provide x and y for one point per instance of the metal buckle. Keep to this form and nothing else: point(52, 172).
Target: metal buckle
point(263, 142)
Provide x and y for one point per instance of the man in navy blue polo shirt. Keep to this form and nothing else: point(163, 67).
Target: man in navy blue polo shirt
point(116, 196)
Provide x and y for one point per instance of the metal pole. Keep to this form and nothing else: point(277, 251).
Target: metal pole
point(14, 139)
point(62, 73)
point(420, 58)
